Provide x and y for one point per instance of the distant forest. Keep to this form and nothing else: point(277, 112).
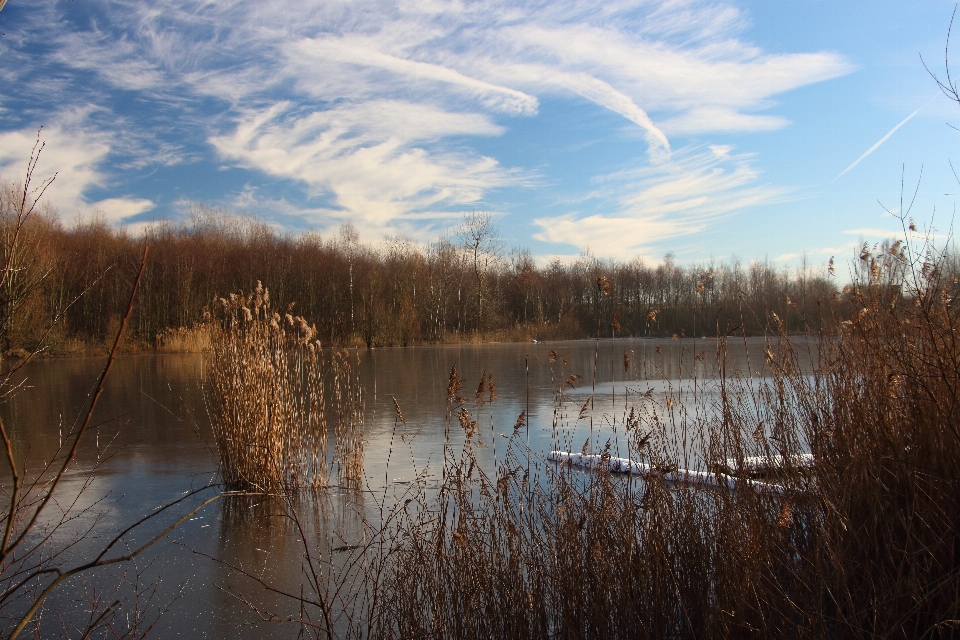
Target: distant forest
point(465, 288)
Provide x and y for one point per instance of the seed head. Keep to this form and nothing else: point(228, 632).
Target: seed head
point(454, 385)
point(521, 420)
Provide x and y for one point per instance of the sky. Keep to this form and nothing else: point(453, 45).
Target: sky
point(708, 130)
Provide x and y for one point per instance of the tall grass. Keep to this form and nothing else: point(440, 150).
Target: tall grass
point(866, 544)
point(863, 543)
point(267, 401)
point(196, 339)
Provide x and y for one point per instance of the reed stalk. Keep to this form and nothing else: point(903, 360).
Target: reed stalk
point(267, 400)
point(819, 498)
point(859, 540)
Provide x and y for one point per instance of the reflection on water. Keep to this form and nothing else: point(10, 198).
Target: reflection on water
point(152, 438)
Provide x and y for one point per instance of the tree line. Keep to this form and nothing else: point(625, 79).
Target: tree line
point(459, 288)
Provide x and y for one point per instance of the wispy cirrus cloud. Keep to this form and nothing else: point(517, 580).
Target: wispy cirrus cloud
point(819, 254)
point(307, 52)
point(71, 154)
point(715, 119)
point(117, 61)
point(378, 110)
point(678, 198)
point(365, 157)
point(919, 235)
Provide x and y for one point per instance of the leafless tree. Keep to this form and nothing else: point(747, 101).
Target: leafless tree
point(481, 239)
point(35, 551)
point(22, 264)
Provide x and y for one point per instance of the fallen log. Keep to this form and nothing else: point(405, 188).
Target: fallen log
point(677, 476)
point(757, 465)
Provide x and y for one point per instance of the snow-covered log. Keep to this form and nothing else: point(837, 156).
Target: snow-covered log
point(595, 461)
point(624, 465)
point(763, 464)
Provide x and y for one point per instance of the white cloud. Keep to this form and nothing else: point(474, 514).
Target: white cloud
point(73, 150)
point(604, 95)
point(874, 232)
point(118, 210)
point(310, 52)
point(280, 213)
point(373, 106)
point(720, 72)
point(896, 234)
point(678, 198)
point(72, 154)
point(721, 151)
point(711, 119)
point(369, 157)
point(119, 62)
point(681, 60)
point(839, 253)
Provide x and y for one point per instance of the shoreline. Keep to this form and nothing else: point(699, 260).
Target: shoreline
point(94, 349)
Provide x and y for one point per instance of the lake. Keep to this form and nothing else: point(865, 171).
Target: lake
point(152, 443)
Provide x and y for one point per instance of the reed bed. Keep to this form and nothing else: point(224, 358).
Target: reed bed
point(860, 538)
point(348, 430)
point(866, 543)
point(196, 339)
point(267, 402)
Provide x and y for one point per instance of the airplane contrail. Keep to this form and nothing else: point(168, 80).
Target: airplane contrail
point(883, 139)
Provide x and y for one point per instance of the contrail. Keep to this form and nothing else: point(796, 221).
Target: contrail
point(883, 139)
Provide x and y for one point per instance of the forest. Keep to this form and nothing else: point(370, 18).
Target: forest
point(468, 286)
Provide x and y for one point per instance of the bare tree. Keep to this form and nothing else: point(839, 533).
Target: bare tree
point(35, 550)
point(21, 260)
point(947, 84)
point(481, 239)
point(349, 242)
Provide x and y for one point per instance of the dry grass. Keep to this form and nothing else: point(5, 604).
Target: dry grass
point(196, 339)
point(867, 545)
point(348, 430)
point(267, 401)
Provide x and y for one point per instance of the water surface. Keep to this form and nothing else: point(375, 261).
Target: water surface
point(151, 443)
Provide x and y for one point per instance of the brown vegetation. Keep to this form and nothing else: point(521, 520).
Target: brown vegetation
point(41, 551)
point(864, 544)
point(267, 402)
point(394, 294)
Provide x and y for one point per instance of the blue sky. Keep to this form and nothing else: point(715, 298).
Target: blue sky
point(627, 129)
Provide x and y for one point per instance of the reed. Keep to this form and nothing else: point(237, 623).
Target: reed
point(348, 431)
point(820, 499)
point(267, 402)
point(196, 339)
point(864, 544)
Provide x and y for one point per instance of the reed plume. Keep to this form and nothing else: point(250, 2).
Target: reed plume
point(267, 402)
point(838, 517)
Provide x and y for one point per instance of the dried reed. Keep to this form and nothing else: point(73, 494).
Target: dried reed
point(195, 339)
point(865, 544)
point(348, 432)
point(267, 403)
point(861, 542)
